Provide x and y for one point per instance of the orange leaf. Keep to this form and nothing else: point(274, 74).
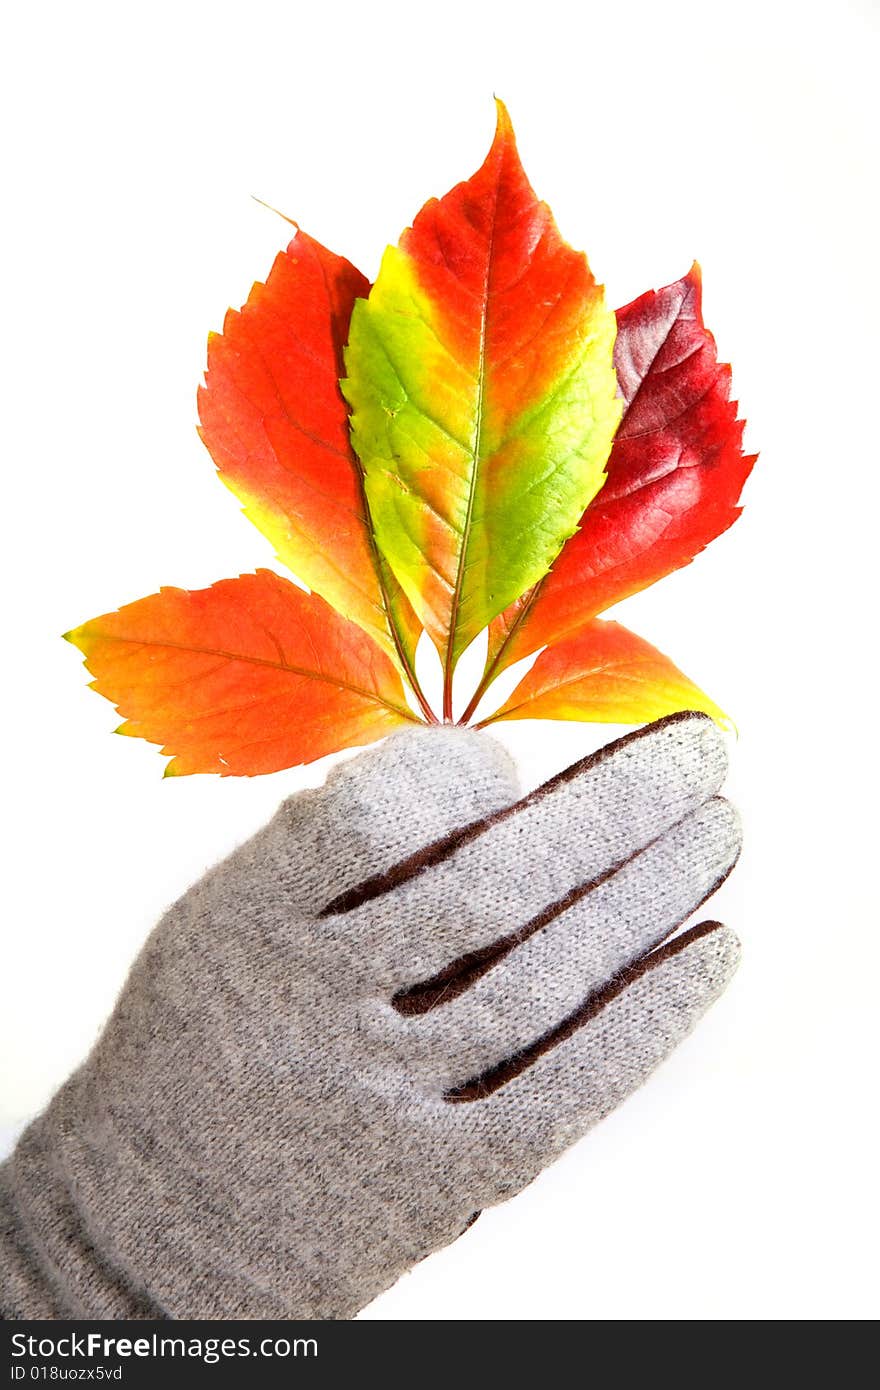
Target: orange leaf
point(604, 674)
point(276, 425)
point(249, 676)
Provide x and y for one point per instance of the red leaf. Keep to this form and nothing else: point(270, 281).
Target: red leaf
point(674, 477)
point(249, 676)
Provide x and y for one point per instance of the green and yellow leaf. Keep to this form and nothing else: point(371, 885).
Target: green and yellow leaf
point(480, 376)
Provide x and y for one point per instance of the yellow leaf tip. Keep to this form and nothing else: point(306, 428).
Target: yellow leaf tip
point(504, 125)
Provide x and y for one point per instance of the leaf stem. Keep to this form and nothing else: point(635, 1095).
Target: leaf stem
point(447, 687)
point(491, 670)
point(407, 666)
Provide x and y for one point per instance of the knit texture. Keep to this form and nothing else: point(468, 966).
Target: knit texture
point(264, 1130)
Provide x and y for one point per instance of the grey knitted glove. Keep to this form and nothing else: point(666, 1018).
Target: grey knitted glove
point(369, 1023)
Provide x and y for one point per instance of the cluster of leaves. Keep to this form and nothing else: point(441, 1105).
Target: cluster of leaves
point(476, 441)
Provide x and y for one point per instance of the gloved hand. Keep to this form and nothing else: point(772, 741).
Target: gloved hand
point(369, 1023)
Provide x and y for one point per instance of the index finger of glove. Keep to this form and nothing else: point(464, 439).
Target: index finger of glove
point(388, 803)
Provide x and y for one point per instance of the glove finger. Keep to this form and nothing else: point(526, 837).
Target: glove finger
point(497, 877)
point(388, 803)
point(527, 1113)
point(540, 980)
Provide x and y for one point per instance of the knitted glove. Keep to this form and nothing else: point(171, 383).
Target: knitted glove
point(369, 1023)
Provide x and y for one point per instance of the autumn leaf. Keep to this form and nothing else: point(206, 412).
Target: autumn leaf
point(483, 398)
point(431, 452)
point(276, 424)
point(249, 676)
point(674, 477)
point(603, 674)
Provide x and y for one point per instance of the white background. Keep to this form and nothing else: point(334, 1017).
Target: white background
point(740, 1183)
